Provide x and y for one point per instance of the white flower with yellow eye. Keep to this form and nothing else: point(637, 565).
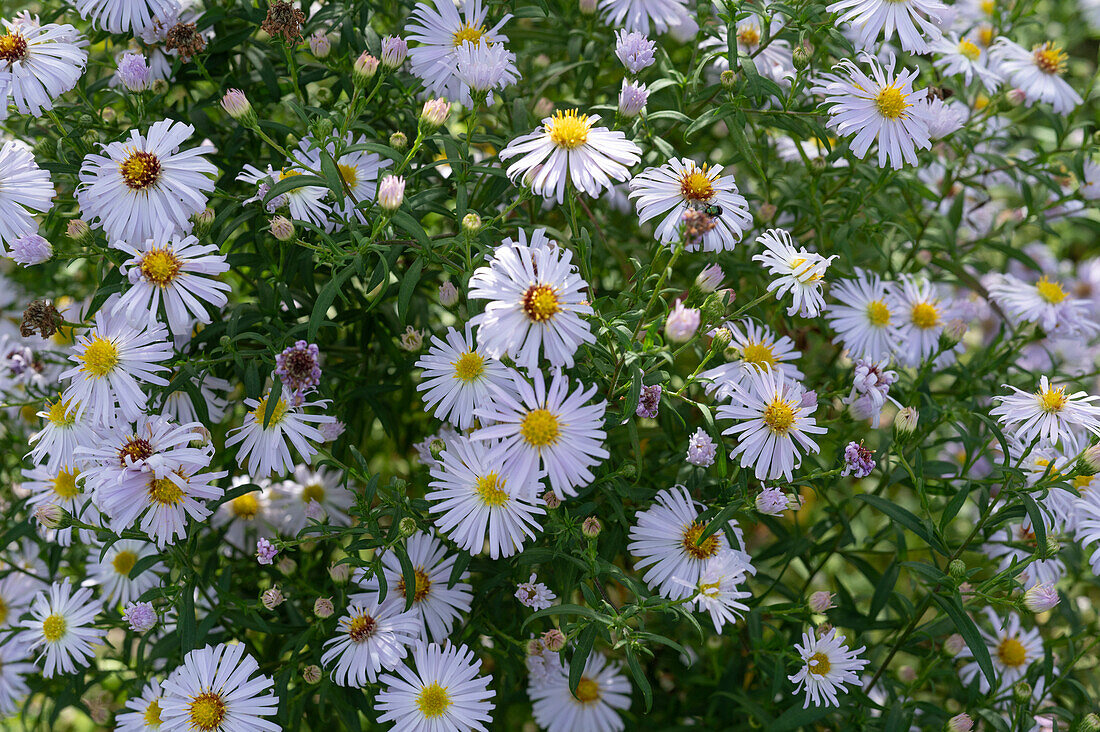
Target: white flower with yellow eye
point(602, 692)
point(457, 376)
point(268, 428)
point(1049, 303)
point(1011, 648)
point(218, 689)
point(112, 569)
point(861, 316)
point(829, 665)
point(1038, 73)
point(797, 271)
point(369, 638)
point(1050, 415)
point(442, 691)
point(61, 623)
point(752, 347)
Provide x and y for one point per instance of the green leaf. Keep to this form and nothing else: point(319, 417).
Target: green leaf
point(965, 625)
point(639, 678)
point(408, 287)
point(905, 518)
point(586, 612)
point(581, 649)
point(326, 297)
point(272, 401)
point(408, 573)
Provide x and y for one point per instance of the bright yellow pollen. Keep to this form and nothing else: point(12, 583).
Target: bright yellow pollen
point(695, 185)
point(246, 506)
point(988, 6)
point(207, 711)
point(59, 414)
point(313, 492)
point(1051, 291)
point(160, 266)
point(423, 584)
point(469, 366)
point(1012, 653)
point(758, 354)
point(361, 628)
point(140, 170)
point(695, 549)
point(588, 690)
point(491, 489)
point(540, 428)
point(969, 49)
point(64, 484)
point(468, 33)
point(277, 413)
point(818, 664)
point(349, 174)
point(53, 628)
point(1050, 59)
point(433, 701)
point(124, 562)
point(778, 416)
point(290, 173)
point(924, 315)
point(807, 276)
point(986, 34)
point(13, 47)
point(878, 313)
point(748, 36)
point(891, 103)
point(1053, 400)
point(540, 303)
point(163, 490)
point(568, 129)
point(709, 589)
point(152, 714)
point(100, 357)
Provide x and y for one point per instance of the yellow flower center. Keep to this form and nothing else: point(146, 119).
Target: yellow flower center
point(748, 36)
point(1052, 400)
point(3, 615)
point(540, 303)
point(140, 170)
point(1051, 291)
point(64, 484)
point(361, 628)
point(60, 415)
point(277, 413)
point(160, 266)
point(469, 366)
point(758, 354)
point(245, 507)
point(491, 489)
point(433, 700)
point(313, 492)
point(423, 584)
point(207, 711)
point(288, 173)
point(349, 174)
point(13, 47)
point(924, 315)
point(53, 628)
point(988, 6)
point(807, 276)
point(693, 547)
point(468, 33)
point(969, 49)
point(819, 664)
point(695, 185)
point(778, 416)
point(124, 562)
point(152, 714)
point(100, 357)
point(163, 490)
point(568, 129)
point(709, 589)
point(1011, 653)
point(1050, 59)
point(986, 34)
point(540, 428)
point(878, 313)
point(891, 102)
point(588, 690)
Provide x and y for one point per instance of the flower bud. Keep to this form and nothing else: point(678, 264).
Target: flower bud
point(364, 69)
point(282, 228)
point(1050, 549)
point(236, 104)
point(398, 141)
point(79, 231)
point(1021, 692)
point(49, 515)
point(319, 45)
point(391, 192)
point(591, 527)
point(954, 644)
point(1091, 459)
point(448, 294)
point(554, 640)
point(322, 607)
point(287, 566)
point(953, 332)
point(587, 7)
point(728, 79)
point(681, 323)
point(765, 212)
point(140, 616)
point(436, 448)
point(311, 674)
point(957, 570)
point(315, 511)
point(820, 601)
point(339, 573)
point(710, 278)
point(394, 50)
point(1016, 97)
point(960, 723)
point(534, 647)
point(109, 115)
point(434, 113)
point(714, 308)
point(203, 220)
point(272, 598)
point(722, 338)
point(411, 340)
point(906, 421)
point(551, 499)
point(1041, 597)
point(1090, 723)
point(471, 223)
point(31, 249)
point(800, 58)
point(632, 98)
point(407, 526)
point(160, 86)
point(322, 128)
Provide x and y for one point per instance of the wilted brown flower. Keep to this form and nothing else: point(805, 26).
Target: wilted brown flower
point(186, 39)
point(283, 19)
point(41, 317)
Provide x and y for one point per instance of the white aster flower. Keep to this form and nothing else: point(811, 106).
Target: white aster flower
point(180, 406)
point(536, 300)
point(15, 667)
point(963, 57)
point(1090, 191)
point(176, 271)
point(602, 691)
point(862, 317)
point(535, 594)
point(443, 693)
point(61, 622)
point(679, 186)
point(915, 21)
point(774, 61)
point(920, 308)
point(1015, 544)
point(1011, 648)
point(944, 117)
point(359, 171)
point(26, 190)
point(60, 487)
point(641, 16)
point(484, 67)
point(475, 499)
point(305, 202)
point(1048, 303)
point(217, 689)
point(143, 713)
point(320, 487)
point(882, 107)
point(539, 424)
point(771, 425)
point(112, 568)
point(369, 638)
point(1037, 73)
point(144, 183)
point(1049, 414)
point(829, 665)
point(1087, 525)
point(567, 147)
point(717, 589)
point(263, 437)
point(797, 271)
point(126, 16)
point(40, 63)
point(16, 592)
point(436, 605)
point(458, 376)
point(753, 347)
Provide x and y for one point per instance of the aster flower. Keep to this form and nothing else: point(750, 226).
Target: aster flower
point(1087, 528)
point(265, 433)
point(603, 690)
point(535, 594)
point(133, 72)
point(27, 190)
point(112, 570)
point(649, 402)
point(1049, 414)
point(484, 67)
point(944, 117)
point(143, 713)
point(797, 271)
point(1011, 648)
point(125, 16)
point(701, 449)
point(16, 593)
point(140, 616)
point(962, 57)
point(319, 487)
point(540, 424)
point(370, 638)
point(1014, 544)
point(61, 623)
point(920, 308)
point(359, 172)
point(634, 50)
point(1048, 303)
point(753, 347)
point(299, 367)
point(305, 202)
point(717, 590)
point(915, 21)
point(40, 63)
point(644, 15)
point(858, 460)
point(882, 107)
point(829, 665)
point(437, 605)
point(1038, 73)
point(773, 61)
point(632, 98)
point(772, 501)
point(871, 383)
point(15, 667)
point(442, 692)
point(569, 148)
point(861, 316)
point(60, 488)
point(681, 185)
point(218, 688)
point(458, 376)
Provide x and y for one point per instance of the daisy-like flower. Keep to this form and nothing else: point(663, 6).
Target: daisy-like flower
point(1038, 73)
point(536, 300)
point(444, 693)
point(882, 107)
point(179, 405)
point(568, 147)
point(476, 498)
point(665, 540)
point(963, 57)
point(717, 589)
point(920, 309)
point(535, 594)
point(1049, 414)
point(1011, 648)
point(370, 638)
point(320, 488)
point(143, 713)
point(15, 595)
point(246, 515)
point(829, 665)
point(61, 488)
point(641, 16)
point(27, 188)
point(126, 16)
point(752, 347)
point(914, 20)
point(484, 67)
point(457, 376)
point(61, 623)
point(1087, 525)
point(110, 363)
point(359, 171)
point(15, 667)
point(436, 605)
point(871, 383)
point(772, 424)
point(797, 271)
point(143, 184)
point(1048, 303)
point(112, 569)
point(861, 316)
point(41, 62)
point(174, 270)
point(263, 436)
point(602, 691)
point(305, 202)
point(217, 689)
point(539, 424)
point(681, 185)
